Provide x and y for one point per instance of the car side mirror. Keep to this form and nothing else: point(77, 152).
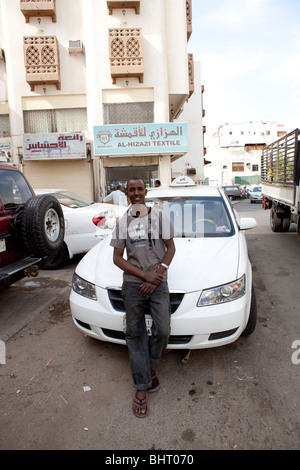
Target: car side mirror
point(246, 223)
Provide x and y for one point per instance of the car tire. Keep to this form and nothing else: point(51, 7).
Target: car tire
point(60, 259)
point(43, 226)
point(251, 324)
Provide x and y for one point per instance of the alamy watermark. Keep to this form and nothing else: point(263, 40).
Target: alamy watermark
point(2, 352)
point(296, 354)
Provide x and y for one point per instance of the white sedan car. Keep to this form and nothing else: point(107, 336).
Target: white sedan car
point(85, 223)
point(255, 194)
point(210, 277)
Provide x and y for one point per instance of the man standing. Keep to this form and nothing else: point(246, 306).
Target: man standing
point(147, 236)
point(118, 197)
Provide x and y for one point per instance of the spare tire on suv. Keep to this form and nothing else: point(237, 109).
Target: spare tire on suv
point(43, 226)
point(31, 227)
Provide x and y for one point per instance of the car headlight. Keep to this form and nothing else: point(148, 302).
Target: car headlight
point(225, 293)
point(84, 288)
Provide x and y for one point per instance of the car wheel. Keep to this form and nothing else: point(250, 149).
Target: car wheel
point(275, 221)
point(251, 324)
point(43, 226)
point(60, 259)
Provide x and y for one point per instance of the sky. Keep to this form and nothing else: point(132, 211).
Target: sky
point(249, 52)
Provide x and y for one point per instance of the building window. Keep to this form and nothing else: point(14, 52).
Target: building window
point(238, 166)
point(4, 125)
point(55, 120)
point(128, 113)
point(254, 167)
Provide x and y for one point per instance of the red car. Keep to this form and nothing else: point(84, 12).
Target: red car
point(31, 227)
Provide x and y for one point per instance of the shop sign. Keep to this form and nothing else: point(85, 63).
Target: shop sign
point(70, 145)
point(140, 139)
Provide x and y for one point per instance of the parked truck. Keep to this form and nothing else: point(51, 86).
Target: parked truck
point(280, 174)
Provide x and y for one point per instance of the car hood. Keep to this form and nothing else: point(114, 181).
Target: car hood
point(197, 264)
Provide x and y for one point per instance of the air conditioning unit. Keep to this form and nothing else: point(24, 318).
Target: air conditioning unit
point(76, 47)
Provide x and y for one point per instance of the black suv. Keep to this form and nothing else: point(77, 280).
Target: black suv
point(31, 227)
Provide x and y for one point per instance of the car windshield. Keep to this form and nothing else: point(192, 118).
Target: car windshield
point(257, 189)
point(14, 190)
point(69, 199)
point(196, 217)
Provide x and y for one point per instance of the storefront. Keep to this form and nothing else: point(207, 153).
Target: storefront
point(143, 150)
point(58, 161)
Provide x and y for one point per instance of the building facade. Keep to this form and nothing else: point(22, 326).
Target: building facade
point(76, 75)
point(235, 152)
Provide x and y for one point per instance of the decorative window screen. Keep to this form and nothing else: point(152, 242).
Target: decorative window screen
point(55, 120)
point(38, 8)
point(128, 113)
point(123, 5)
point(126, 53)
point(42, 64)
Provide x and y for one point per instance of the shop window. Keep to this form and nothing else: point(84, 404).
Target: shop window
point(120, 175)
point(128, 113)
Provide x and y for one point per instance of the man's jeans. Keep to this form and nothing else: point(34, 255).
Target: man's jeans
point(143, 349)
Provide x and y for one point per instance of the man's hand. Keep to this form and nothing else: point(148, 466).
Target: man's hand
point(147, 288)
point(153, 277)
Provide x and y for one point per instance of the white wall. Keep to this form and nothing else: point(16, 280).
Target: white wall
point(192, 114)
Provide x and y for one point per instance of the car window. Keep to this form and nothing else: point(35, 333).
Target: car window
point(196, 217)
point(257, 189)
point(14, 190)
point(69, 199)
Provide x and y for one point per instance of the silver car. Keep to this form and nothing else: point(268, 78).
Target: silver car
point(256, 194)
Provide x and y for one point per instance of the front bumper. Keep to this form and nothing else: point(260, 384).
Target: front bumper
point(192, 327)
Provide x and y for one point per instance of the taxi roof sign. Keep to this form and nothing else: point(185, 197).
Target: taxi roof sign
point(183, 181)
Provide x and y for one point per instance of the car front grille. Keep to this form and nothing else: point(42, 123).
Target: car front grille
point(179, 339)
point(115, 297)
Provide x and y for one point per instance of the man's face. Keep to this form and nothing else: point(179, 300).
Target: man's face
point(136, 191)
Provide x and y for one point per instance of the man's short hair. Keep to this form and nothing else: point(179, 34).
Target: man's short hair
point(136, 178)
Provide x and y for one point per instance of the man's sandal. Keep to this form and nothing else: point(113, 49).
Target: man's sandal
point(155, 382)
point(143, 412)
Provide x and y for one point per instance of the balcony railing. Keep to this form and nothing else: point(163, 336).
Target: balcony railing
point(123, 5)
point(38, 8)
point(41, 55)
point(189, 18)
point(126, 53)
